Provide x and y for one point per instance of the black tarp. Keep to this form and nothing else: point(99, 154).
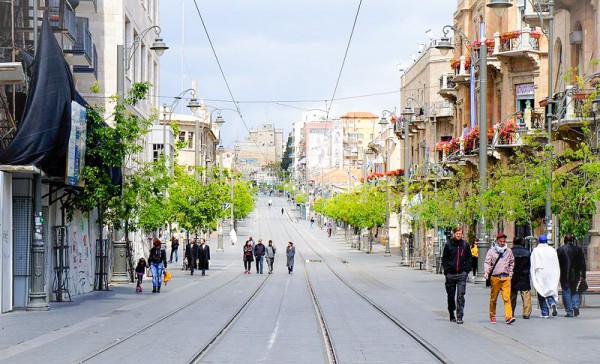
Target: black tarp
point(43, 134)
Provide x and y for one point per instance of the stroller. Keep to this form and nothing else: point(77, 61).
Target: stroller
point(184, 265)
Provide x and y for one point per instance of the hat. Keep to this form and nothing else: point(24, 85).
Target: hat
point(501, 235)
point(543, 239)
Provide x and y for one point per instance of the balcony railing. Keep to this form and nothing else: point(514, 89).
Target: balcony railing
point(91, 71)
point(516, 42)
point(461, 69)
point(62, 18)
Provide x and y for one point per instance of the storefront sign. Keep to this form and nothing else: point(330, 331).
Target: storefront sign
point(525, 89)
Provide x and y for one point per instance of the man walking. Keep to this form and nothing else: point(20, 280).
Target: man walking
point(456, 262)
point(545, 274)
point(191, 255)
point(572, 270)
point(499, 265)
point(174, 249)
point(520, 280)
point(259, 253)
point(270, 255)
point(203, 252)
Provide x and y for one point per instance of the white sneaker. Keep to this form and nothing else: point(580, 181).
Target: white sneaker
point(544, 317)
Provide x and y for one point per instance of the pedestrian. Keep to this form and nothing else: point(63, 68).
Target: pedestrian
point(572, 271)
point(140, 269)
point(312, 221)
point(499, 266)
point(282, 211)
point(233, 236)
point(270, 255)
point(158, 262)
point(270, 202)
point(474, 258)
point(248, 256)
point(259, 253)
point(174, 249)
point(191, 253)
point(290, 252)
point(203, 252)
point(456, 262)
point(251, 242)
point(520, 281)
point(329, 228)
point(545, 274)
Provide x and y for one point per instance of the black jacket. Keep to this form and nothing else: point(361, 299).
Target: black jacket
point(520, 280)
point(456, 257)
point(158, 255)
point(572, 265)
point(203, 256)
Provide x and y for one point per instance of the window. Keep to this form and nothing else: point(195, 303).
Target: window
point(156, 152)
point(190, 140)
point(182, 136)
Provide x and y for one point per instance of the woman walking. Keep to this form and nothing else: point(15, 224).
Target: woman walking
point(158, 261)
point(248, 257)
point(290, 251)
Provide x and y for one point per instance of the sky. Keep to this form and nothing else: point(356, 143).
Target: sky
point(282, 56)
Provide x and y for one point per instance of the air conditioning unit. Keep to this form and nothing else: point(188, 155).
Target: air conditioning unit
point(576, 37)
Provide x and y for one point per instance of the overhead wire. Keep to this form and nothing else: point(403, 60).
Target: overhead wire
point(235, 103)
point(337, 83)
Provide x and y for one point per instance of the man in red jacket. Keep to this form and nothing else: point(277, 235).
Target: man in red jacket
point(456, 262)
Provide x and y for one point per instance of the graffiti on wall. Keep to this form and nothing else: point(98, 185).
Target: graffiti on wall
point(82, 257)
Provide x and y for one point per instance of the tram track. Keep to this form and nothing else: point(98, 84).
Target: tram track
point(440, 357)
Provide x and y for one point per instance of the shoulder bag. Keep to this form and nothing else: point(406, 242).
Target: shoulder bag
point(488, 281)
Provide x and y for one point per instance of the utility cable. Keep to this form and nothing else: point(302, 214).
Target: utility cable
point(235, 103)
point(344, 60)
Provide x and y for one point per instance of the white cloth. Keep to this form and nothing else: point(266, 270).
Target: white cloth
point(233, 236)
point(545, 271)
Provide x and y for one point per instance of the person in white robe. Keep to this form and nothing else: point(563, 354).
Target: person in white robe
point(545, 274)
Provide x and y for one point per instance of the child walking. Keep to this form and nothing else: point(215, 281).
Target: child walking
point(140, 270)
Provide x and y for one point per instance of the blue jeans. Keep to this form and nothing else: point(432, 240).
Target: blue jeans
point(570, 300)
point(176, 257)
point(259, 264)
point(157, 272)
point(545, 303)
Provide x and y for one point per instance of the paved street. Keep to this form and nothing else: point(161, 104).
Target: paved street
point(229, 317)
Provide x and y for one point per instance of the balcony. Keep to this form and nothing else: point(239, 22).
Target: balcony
point(517, 43)
point(87, 6)
point(88, 73)
point(447, 86)
point(62, 20)
point(443, 109)
point(461, 69)
point(532, 14)
point(82, 51)
point(574, 109)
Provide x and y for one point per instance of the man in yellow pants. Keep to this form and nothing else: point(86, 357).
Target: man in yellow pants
point(499, 265)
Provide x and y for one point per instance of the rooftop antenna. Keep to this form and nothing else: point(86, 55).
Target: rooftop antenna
point(429, 34)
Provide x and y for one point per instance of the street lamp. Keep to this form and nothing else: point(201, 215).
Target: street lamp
point(407, 115)
point(220, 151)
point(124, 58)
point(499, 6)
point(193, 105)
point(383, 122)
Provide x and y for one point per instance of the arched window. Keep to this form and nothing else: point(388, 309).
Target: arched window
point(576, 40)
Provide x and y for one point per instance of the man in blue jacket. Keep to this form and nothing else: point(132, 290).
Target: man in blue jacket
point(456, 262)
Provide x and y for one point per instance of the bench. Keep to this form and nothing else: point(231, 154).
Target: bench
point(418, 260)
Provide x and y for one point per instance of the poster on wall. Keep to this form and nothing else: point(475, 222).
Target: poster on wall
point(76, 150)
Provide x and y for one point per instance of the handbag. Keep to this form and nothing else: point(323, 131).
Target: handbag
point(167, 277)
point(488, 281)
point(582, 286)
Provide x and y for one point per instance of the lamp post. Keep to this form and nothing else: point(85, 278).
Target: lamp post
point(444, 46)
point(384, 123)
point(193, 105)
point(220, 222)
point(234, 160)
point(124, 58)
point(407, 115)
point(368, 153)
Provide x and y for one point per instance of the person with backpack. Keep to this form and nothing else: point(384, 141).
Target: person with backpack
point(499, 268)
point(270, 255)
point(158, 262)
